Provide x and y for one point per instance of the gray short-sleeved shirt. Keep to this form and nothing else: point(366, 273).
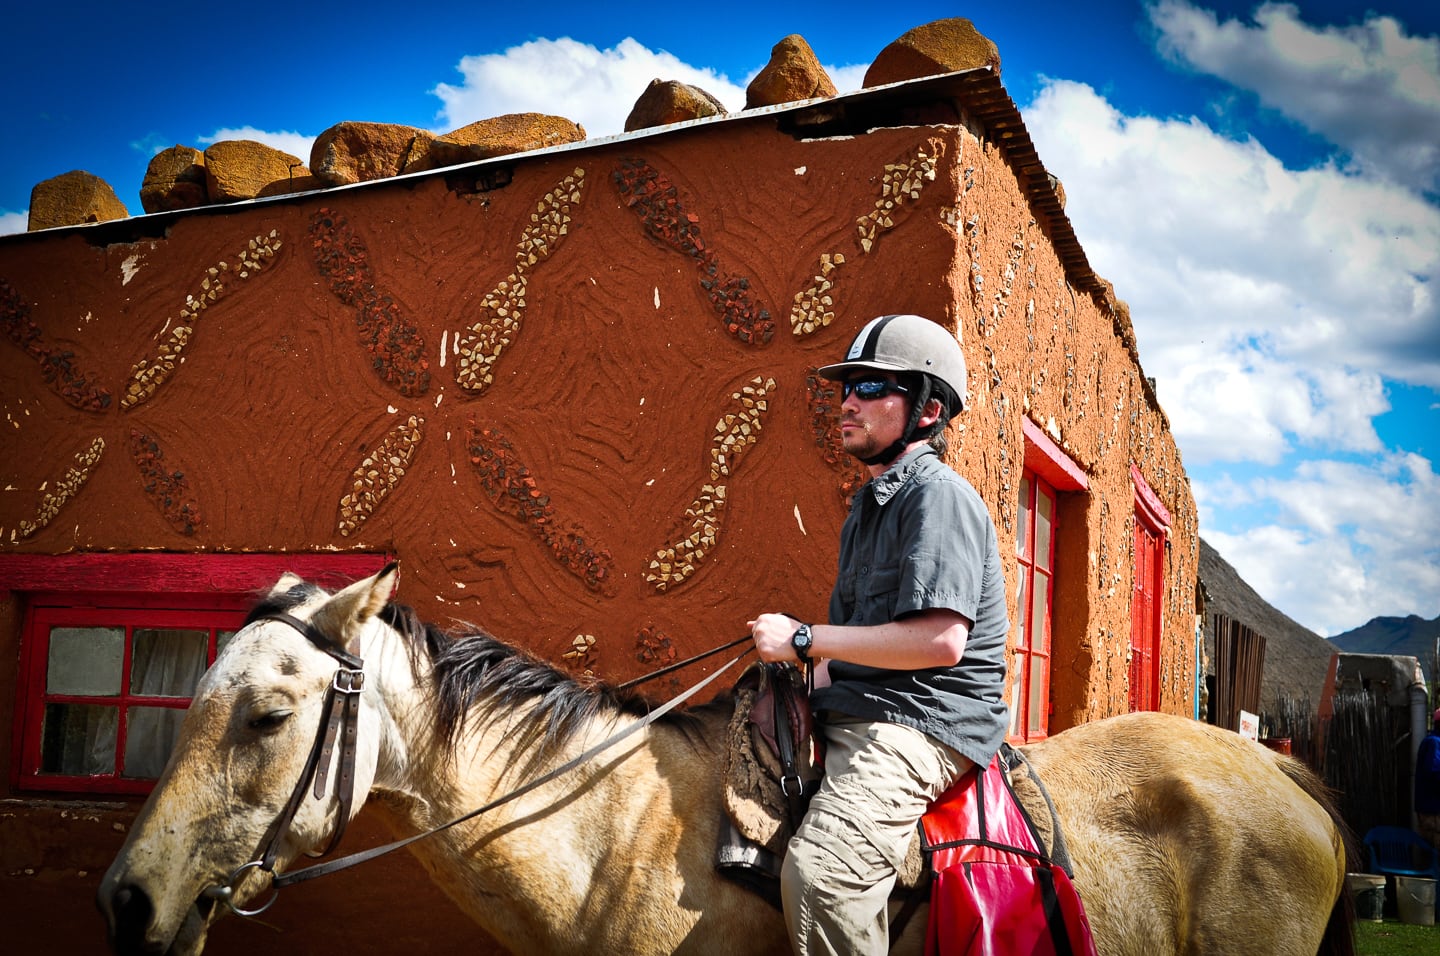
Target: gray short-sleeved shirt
point(920, 537)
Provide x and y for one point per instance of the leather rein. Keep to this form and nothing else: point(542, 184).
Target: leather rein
point(339, 721)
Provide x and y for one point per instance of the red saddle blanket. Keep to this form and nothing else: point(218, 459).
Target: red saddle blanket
point(995, 891)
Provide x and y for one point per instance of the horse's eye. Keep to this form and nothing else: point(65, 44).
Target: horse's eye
point(270, 720)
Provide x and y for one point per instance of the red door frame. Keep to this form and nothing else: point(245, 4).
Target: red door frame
point(1152, 524)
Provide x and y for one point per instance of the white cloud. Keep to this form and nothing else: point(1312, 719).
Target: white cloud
point(1350, 537)
point(1267, 302)
point(847, 79)
point(595, 88)
point(1369, 88)
point(296, 144)
point(1273, 305)
point(14, 222)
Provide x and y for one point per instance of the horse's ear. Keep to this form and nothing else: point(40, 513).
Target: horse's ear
point(344, 615)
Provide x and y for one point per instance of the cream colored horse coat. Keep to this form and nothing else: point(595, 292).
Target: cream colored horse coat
point(1186, 839)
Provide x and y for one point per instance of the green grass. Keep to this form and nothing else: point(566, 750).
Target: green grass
point(1394, 938)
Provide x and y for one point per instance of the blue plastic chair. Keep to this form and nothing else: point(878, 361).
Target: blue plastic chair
point(1401, 851)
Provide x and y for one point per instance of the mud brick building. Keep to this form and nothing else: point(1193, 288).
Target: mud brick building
point(572, 391)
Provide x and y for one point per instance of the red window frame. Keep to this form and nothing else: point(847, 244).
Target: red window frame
point(1152, 525)
point(1049, 472)
point(165, 591)
point(1035, 559)
point(51, 612)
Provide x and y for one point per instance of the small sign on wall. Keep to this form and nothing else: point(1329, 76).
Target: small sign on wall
point(1249, 725)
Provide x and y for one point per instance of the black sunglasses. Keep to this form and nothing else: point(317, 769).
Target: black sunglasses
point(870, 389)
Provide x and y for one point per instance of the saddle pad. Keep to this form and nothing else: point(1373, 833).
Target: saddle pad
point(994, 890)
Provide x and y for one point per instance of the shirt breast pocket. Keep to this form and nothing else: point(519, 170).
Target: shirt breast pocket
point(876, 593)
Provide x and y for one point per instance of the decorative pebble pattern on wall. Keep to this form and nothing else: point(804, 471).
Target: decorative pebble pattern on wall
point(502, 308)
point(65, 489)
point(814, 306)
point(581, 655)
point(653, 198)
point(379, 474)
point(735, 432)
point(508, 483)
point(168, 489)
point(901, 182)
point(57, 368)
point(395, 344)
point(147, 375)
point(825, 402)
point(655, 650)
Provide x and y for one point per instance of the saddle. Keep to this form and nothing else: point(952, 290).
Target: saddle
point(989, 855)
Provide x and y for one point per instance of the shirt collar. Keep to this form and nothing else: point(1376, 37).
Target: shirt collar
point(894, 478)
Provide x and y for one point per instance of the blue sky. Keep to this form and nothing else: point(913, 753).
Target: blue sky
point(1260, 182)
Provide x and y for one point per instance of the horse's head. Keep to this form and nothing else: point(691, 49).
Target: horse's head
point(241, 753)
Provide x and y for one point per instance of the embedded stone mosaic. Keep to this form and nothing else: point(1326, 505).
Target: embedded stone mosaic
point(164, 486)
point(503, 307)
point(825, 403)
point(378, 474)
point(581, 654)
point(734, 433)
point(509, 484)
point(395, 344)
point(65, 489)
point(654, 648)
point(653, 198)
point(814, 306)
point(57, 367)
point(147, 375)
point(901, 182)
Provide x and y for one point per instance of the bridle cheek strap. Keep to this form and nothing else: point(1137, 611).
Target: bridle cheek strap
point(339, 722)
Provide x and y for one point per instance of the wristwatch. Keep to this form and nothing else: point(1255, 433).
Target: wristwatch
point(801, 640)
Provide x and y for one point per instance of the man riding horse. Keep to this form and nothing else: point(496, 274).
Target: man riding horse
point(910, 669)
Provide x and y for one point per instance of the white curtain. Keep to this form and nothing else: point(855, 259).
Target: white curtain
point(164, 664)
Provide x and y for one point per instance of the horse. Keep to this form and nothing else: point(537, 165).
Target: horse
point(1184, 838)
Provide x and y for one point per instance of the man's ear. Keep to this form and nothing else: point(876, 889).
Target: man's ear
point(934, 408)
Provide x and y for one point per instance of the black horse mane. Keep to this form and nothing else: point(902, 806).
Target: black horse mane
point(474, 671)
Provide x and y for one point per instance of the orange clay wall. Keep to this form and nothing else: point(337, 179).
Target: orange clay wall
point(572, 392)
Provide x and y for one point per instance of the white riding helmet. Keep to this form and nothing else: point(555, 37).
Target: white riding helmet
point(906, 343)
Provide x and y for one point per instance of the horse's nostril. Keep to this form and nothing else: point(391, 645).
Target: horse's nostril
point(131, 911)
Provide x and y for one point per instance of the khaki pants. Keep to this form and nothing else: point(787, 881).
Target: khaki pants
point(841, 864)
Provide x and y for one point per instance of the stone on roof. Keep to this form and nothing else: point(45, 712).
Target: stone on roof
point(793, 73)
point(499, 136)
point(237, 169)
point(670, 101)
point(72, 198)
point(941, 46)
point(352, 152)
point(175, 179)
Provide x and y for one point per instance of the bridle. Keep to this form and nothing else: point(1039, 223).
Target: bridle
point(339, 721)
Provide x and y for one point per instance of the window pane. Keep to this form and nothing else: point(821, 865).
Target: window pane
point(1040, 611)
point(222, 638)
point(167, 663)
point(1022, 604)
point(149, 738)
point(78, 739)
point(1044, 518)
point(1017, 688)
point(85, 660)
point(1022, 528)
point(1038, 692)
